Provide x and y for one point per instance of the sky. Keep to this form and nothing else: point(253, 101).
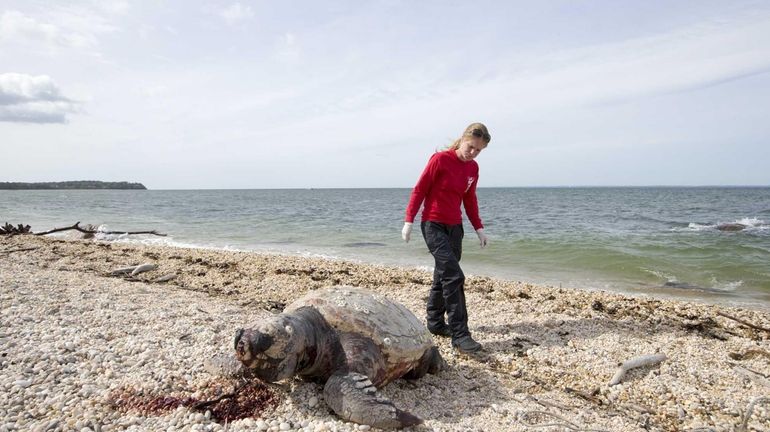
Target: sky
point(347, 94)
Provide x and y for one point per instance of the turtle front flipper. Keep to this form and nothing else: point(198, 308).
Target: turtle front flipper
point(354, 398)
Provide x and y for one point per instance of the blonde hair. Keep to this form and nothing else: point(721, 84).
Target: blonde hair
point(474, 129)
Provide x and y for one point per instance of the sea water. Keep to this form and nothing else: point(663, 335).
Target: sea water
point(662, 241)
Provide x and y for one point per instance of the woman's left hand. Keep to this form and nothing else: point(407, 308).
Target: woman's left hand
point(483, 240)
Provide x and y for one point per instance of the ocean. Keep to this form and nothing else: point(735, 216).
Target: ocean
point(660, 241)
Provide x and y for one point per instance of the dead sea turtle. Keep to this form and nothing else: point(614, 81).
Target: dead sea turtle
point(352, 339)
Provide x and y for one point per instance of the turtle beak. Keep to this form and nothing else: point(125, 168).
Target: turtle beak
point(242, 346)
point(250, 343)
point(238, 335)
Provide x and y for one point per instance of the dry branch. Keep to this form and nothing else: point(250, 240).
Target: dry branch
point(9, 229)
point(749, 354)
point(523, 418)
point(746, 323)
point(750, 410)
point(19, 250)
point(591, 397)
point(203, 404)
point(77, 227)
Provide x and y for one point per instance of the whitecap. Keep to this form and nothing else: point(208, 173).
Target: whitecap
point(728, 286)
point(693, 226)
point(747, 223)
point(660, 275)
point(751, 222)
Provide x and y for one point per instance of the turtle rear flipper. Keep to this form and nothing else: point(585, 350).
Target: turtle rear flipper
point(354, 398)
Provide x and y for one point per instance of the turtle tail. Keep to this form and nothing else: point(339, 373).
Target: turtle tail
point(354, 398)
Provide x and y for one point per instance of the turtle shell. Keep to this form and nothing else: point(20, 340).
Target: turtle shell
point(402, 338)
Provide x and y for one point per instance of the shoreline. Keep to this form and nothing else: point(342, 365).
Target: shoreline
point(68, 328)
point(675, 291)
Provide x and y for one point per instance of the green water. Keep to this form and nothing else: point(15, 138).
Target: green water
point(655, 240)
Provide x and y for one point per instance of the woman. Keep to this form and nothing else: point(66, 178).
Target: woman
point(449, 179)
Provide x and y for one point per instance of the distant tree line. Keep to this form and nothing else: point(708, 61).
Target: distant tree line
point(80, 184)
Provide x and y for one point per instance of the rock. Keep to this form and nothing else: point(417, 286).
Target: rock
point(23, 383)
point(731, 227)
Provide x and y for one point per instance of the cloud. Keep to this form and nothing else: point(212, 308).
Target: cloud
point(115, 7)
point(236, 12)
point(16, 25)
point(32, 99)
point(61, 28)
point(288, 49)
point(540, 86)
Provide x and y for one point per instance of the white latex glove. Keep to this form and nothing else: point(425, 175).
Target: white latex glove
point(406, 231)
point(483, 240)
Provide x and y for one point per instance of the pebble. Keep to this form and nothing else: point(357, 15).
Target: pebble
point(63, 379)
point(23, 383)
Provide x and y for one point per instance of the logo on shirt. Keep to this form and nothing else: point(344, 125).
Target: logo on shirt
point(470, 182)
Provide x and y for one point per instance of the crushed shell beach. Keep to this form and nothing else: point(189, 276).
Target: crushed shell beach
point(87, 349)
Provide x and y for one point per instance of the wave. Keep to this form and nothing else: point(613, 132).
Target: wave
point(747, 224)
point(714, 285)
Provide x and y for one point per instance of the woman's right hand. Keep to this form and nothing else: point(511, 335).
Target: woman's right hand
point(406, 231)
point(483, 240)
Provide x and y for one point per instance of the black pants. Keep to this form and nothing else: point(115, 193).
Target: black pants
point(447, 293)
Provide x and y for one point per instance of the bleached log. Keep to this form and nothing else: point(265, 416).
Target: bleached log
point(165, 278)
point(636, 362)
point(123, 270)
point(143, 268)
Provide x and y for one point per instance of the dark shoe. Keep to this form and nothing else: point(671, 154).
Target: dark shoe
point(441, 331)
point(466, 344)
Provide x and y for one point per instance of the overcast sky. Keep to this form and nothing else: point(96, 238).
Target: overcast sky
point(285, 94)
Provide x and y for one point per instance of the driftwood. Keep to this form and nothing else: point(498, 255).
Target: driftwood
point(131, 271)
point(750, 374)
point(9, 229)
point(591, 397)
point(524, 418)
point(164, 278)
point(143, 268)
point(19, 250)
point(746, 323)
point(203, 404)
point(77, 227)
point(123, 270)
point(749, 354)
point(750, 410)
point(645, 360)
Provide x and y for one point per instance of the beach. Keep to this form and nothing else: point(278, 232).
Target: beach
point(84, 349)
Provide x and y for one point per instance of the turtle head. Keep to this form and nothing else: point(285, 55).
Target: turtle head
point(270, 349)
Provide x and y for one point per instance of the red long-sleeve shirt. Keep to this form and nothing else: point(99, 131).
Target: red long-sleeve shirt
point(444, 184)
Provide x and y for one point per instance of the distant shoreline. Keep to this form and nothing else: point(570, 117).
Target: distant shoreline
point(80, 184)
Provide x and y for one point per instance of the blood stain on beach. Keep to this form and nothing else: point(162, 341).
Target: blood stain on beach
point(249, 399)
